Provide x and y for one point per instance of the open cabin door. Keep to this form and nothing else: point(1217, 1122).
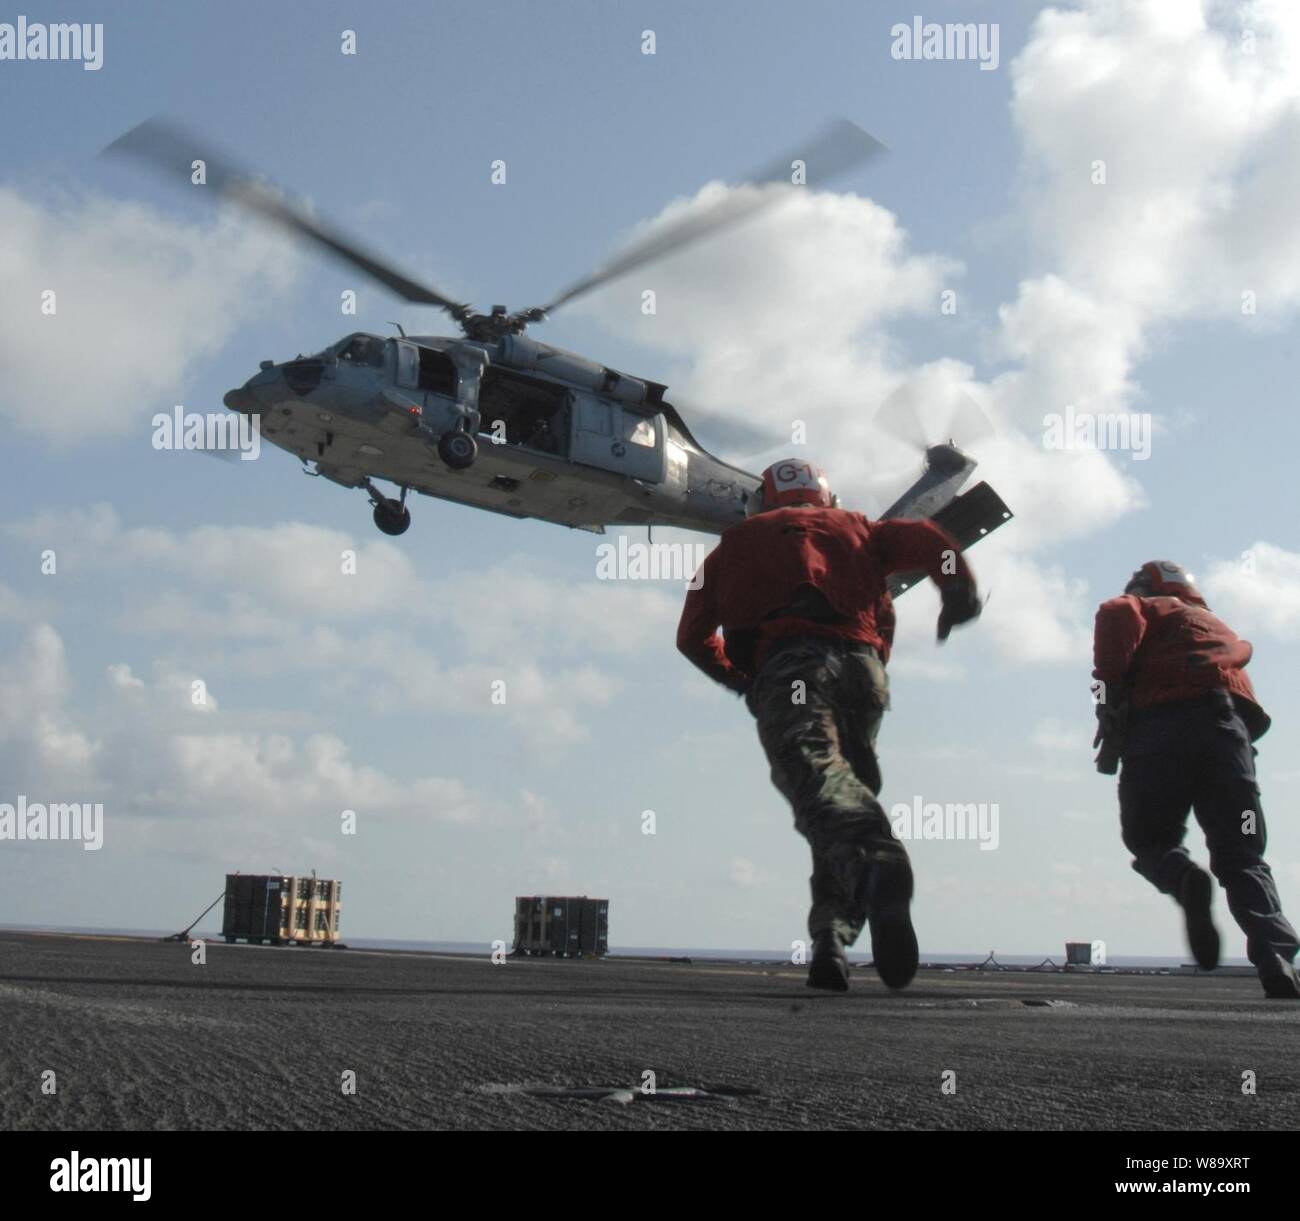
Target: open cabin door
point(445, 385)
point(604, 434)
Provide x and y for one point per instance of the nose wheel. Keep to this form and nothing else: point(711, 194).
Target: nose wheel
point(391, 516)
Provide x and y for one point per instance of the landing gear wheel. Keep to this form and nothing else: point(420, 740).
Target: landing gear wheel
point(457, 449)
point(392, 517)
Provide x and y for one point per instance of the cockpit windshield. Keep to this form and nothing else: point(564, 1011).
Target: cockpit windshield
point(362, 350)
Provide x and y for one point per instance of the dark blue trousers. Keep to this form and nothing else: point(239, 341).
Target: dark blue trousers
point(1195, 755)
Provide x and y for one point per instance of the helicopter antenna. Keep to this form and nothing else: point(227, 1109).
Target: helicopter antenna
point(400, 329)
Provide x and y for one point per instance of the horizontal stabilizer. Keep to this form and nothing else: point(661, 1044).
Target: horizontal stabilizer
point(968, 518)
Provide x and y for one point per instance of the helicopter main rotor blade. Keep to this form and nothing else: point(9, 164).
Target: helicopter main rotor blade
point(841, 147)
point(172, 150)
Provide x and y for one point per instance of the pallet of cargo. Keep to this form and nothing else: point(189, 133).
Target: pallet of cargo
point(563, 926)
point(270, 909)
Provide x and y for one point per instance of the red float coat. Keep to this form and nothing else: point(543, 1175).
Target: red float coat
point(764, 564)
point(1170, 649)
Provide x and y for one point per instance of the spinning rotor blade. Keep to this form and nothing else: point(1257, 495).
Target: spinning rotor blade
point(172, 150)
point(841, 147)
point(902, 416)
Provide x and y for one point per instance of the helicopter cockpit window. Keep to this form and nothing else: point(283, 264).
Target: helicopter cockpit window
point(364, 350)
point(639, 431)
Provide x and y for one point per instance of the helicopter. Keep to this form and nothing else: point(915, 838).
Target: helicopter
point(495, 419)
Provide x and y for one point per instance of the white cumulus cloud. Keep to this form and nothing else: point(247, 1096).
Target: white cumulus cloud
point(140, 299)
point(1258, 591)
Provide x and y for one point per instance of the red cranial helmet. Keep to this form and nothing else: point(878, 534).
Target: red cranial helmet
point(1163, 579)
point(793, 481)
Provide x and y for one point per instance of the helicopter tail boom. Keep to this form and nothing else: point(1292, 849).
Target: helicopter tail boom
point(968, 518)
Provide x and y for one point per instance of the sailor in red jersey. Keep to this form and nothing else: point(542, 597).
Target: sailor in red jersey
point(1175, 704)
point(799, 592)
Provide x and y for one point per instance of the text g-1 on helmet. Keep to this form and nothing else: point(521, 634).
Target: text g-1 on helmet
point(1163, 579)
point(792, 481)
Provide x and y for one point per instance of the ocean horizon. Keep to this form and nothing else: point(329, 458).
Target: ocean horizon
point(723, 953)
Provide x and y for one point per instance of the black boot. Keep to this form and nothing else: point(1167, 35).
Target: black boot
point(830, 966)
point(893, 941)
point(1279, 977)
point(1195, 894)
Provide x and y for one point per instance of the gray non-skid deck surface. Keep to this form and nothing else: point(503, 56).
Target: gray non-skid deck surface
point(138, 1037)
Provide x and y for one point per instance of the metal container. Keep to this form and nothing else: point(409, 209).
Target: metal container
point(283, 910)
point(1084, 954)
point(594, 937)
point(566, 926)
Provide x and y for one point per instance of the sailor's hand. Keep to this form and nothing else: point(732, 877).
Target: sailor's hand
point(1110, 722)
point(1107, 759)
point(961, 604)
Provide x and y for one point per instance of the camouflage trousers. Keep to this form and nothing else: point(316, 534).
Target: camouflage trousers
point(819, 702)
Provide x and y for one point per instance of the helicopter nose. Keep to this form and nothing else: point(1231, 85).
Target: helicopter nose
point(242, 400)
point(262, 391)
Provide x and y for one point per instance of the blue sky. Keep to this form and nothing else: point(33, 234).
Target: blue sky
point(370, 693)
